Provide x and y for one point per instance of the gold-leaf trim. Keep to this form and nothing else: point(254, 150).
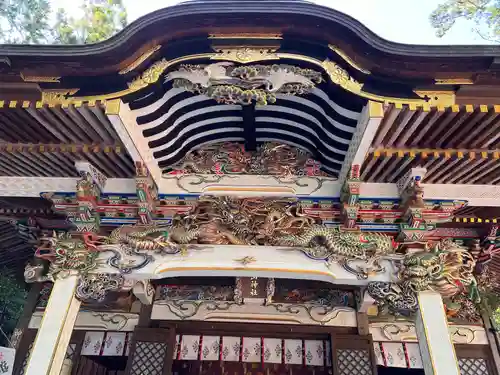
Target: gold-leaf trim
point(140, 60)
point(245, 55)
point(153, 73)
point(454, 81)
point(54, 97)
point(347, 59)
point(40, 79)
point(149, 76)
point(437, 98)
point(246, 36)
point(340, 77)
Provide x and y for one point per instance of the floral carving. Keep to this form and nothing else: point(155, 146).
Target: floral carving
point(340, 77)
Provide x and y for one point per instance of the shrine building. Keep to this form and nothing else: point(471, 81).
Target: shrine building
point(252, 187)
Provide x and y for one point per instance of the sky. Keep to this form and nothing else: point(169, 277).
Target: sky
point(403, 21)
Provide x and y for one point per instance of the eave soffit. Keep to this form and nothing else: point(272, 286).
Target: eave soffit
point(329, 54)
point(147, 69)
point(169, 23)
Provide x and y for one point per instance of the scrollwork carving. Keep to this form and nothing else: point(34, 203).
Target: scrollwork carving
point(96, 286)
point(188, 309)
point(319, 313)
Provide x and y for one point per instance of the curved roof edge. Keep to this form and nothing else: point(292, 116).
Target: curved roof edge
point(221, 8)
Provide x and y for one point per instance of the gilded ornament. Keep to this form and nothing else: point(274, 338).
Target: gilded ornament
point(245, 55)
point(454, 81)
point(40, 79)
point(149, 76)
point(55, 97)
point(437, 98)
point(340, 77)
point(146, 55)
point(347, 59)
point(141, 82)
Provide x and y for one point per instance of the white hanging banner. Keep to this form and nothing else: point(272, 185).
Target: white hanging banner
point(7, 356)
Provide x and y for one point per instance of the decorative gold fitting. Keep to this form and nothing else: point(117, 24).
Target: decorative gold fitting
point(244, 55)
point(140, 60)
point(437, 98)
point(340, 77)
point(39, 79)
point(245, 36)
point(347, 59)
point(454, 81)
point(55, 97)
point(149, 76)
point(113, 107)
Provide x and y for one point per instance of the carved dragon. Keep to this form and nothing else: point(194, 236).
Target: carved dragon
point(67, 255)
point(220, 220)
point(446, 268)
point(270, 158)
point(333, 244)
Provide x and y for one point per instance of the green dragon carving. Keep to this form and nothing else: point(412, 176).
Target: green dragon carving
point(344, 247)
point(446, 268)
point(67, 256)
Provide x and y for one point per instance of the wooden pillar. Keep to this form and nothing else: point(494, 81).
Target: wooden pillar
point(492, 337)
point(55, 331)
point(28, 309)
point(436, 348)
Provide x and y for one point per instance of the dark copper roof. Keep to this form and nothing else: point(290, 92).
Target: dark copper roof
point(298, 21)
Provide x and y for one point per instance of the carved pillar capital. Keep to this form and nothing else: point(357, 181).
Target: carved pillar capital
point(88, 191)
point(350, 196)
point(414, 227)
point(147, 193)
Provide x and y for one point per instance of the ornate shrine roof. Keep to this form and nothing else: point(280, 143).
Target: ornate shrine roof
point(195, 76)
point(385, 68)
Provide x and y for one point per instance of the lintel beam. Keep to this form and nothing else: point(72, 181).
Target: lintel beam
point(475, 195)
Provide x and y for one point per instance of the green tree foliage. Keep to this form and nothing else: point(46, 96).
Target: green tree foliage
point(35, 22)
point(484, 14)
point(99, 21)
point(12, 298)
point(24, 21)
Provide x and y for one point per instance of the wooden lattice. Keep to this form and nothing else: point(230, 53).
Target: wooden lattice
point(148, 358)
point(354, 362)
point(473, 366)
